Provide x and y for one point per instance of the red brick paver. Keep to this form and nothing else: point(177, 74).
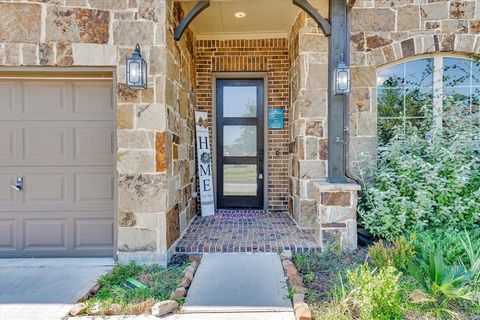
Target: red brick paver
point(246, 231)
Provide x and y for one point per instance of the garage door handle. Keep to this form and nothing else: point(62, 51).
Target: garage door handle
point(18, 184)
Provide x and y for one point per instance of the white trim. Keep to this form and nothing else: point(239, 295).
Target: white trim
point(437, 90)
point(241, 35)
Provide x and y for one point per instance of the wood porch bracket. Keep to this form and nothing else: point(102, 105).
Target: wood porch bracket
point(322, 22)
point(183, 25)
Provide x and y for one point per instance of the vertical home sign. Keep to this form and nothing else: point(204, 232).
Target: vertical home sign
point(204, 157)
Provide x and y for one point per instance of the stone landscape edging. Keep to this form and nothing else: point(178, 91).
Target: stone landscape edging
point(295, 282)
point(159, 309)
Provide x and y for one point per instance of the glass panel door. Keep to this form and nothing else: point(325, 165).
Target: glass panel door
point(240, 171)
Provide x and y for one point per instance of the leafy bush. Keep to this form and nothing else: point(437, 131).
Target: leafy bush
point(375, 294)
point(398, 254)
point(448, 242)
point(426, 184)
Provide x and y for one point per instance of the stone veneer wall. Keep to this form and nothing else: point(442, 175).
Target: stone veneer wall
point(385, 31)
point(308, 121)
point(180, 135)
point(152, 127)
point(262, 55)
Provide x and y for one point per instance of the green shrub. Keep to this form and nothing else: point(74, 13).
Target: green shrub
point(397, 254)
point(440, 281)
point(426, 184)
point(375, 294)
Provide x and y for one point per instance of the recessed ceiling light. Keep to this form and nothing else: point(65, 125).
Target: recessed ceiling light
point(240, 15)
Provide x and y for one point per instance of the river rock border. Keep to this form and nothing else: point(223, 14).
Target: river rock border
point(158, 309)
point(295, 282)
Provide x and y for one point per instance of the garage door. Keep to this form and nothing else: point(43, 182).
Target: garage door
point(58, 137)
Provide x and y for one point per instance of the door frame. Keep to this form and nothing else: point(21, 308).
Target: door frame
point(240, 75)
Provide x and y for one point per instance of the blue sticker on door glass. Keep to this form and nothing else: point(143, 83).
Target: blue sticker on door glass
point(275, 118)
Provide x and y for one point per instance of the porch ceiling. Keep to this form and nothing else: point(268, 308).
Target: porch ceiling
point(264, 18)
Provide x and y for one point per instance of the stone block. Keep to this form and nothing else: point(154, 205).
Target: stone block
point(136, 239)
point(64, 54)
point(20, 22)
point(178, 293)
point(77, 25)
point(94, 54)
point(164, 307)
point(152, 10)
point(465, 43)
point(125, 116)
point(336, 214)
point(161, 152)
point(46, 55)
point(363, 76)
point(314, 76)
point(109, 4)
point(311, 148)
point(367, 124)
point(339, 199)
point(133, 32)
point(30, 54)
point(312, 104)
point(313, 42)
point(141, 193)
point(127, 219)
point(312, 169)
point(372, 19)
point(151, 116)
point(408, 18)
point(136, 161)
point(136, 139)
point(308, 214)
point(460, 9)
point(434, 11)
point(173, 225)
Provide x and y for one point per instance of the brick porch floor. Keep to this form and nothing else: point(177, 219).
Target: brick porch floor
point(246, 231)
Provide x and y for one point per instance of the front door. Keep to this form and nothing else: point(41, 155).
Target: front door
point(240, 145)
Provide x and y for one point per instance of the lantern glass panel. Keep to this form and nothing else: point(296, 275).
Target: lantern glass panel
point(135, 72)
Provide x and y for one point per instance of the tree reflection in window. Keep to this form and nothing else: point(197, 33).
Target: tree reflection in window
point(404, 98)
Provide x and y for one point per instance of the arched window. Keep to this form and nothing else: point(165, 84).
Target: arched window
point(414, 93)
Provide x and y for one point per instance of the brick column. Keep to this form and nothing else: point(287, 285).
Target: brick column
point(336, 224)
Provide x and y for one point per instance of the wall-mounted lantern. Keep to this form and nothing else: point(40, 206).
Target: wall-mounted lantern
point(341, 78)
point(136, 70)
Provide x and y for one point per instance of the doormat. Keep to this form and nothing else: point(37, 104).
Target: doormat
point(238, 214)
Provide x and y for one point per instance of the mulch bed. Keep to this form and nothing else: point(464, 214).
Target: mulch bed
point(321, 271)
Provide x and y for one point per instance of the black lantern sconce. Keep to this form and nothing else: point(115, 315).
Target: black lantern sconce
point(136, 70)
point(341, 78)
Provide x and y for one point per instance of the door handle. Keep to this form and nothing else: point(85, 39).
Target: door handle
point(18, 184)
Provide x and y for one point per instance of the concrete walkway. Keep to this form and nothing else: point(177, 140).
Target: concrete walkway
point(33, 289)
point(237, 287)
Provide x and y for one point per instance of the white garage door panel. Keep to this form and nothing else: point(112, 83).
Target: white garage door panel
point(58, 188)
point(56, 100)
point(58, 135)
point(7, 235)
point(46, 143)
point(56, 234)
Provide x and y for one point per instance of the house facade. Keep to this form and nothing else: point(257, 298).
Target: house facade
point(91, 167)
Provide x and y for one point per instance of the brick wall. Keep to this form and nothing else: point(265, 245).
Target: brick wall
point(261, 55)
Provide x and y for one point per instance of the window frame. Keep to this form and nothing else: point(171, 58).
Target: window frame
point(437, 85)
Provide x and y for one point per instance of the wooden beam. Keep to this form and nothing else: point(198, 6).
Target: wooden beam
point(350, 4)
point(183, 25)
point(308, 8)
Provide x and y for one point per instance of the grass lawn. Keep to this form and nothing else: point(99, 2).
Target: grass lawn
point(116, 296)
